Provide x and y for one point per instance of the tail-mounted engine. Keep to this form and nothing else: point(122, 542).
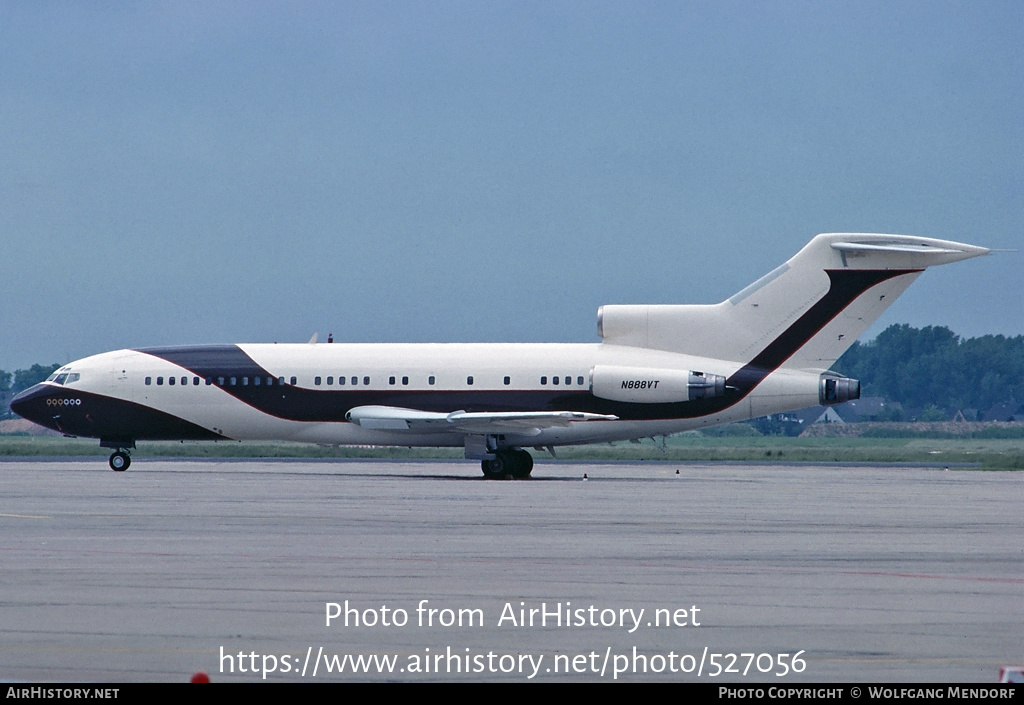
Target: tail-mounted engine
point(833, 389)
point(645, 385)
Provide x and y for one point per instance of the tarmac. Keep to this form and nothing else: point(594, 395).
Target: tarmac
point(309, 571)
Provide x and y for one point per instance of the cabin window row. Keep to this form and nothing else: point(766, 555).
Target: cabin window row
point(394, 380)
point(319, 380)
point(558, 380)
point(245, 381)
point(258, 381)
point(342, 381)
point(224, 381)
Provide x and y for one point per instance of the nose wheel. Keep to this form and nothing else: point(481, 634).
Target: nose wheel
point(119, 461)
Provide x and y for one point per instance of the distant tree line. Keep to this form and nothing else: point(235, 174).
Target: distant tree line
point(933, 369)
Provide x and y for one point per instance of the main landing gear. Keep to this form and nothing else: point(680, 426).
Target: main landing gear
point(508, 462)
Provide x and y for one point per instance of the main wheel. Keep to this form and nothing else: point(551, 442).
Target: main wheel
point(522, 463)
point(119, 461)
point(497, 468)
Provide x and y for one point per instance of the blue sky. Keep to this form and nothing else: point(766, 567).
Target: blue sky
point(195, 172)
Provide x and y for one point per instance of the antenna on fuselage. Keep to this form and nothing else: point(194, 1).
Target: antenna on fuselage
point(312, 341)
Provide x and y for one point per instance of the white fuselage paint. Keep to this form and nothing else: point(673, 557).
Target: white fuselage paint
point(121, 375)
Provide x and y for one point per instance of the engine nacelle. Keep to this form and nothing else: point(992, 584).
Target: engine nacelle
point(647, 385)
point(834, 389)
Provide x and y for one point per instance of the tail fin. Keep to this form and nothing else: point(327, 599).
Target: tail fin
point(803, 314)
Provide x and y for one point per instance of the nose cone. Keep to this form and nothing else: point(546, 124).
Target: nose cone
point(31, 404)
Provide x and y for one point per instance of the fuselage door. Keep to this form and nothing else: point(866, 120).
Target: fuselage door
point(120, 382)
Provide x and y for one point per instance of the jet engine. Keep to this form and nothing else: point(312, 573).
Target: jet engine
point(834, 389)
point(646, 385)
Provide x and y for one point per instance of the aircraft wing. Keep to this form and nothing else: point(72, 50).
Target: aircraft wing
point(531, 423)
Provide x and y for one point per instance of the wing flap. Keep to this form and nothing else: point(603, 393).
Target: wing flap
point(530, 423)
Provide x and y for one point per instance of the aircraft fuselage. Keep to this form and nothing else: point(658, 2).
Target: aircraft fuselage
point(302, 392)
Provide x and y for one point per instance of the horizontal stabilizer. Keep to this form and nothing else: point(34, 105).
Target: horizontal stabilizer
point(900, 251)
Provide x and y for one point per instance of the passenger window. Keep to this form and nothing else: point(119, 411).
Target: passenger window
point(391, 380)
point(209, 381)
point(195, 381)
point(543, 380)
point(234, 381)
point(316, 381)
point(579, 381)
point(170, 381)
point(355, 381)
point(508, 380)
point(257, 381)
point(149, 380)
point(469, 380)
point(330, 381)
point(366, 380)
point(280, 381)
point(405, 380)
point(341, 381)
point(568, 381)
point(159, 381)
point(554, 380)
point(430, 379)
point(220, 381)
point(295, 380)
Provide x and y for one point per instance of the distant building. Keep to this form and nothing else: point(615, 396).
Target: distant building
point(856, 411)
point(819, 414)
point(1007, 411)
point(870, 409)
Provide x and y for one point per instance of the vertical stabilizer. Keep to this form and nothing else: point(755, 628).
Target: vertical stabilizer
point(803, 314)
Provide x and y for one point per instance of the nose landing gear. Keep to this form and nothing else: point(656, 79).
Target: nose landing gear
point(119, 461)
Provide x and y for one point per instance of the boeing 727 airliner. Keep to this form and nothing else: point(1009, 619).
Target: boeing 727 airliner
point(658, 370)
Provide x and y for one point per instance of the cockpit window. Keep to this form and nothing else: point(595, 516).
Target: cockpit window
point(59, 377)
